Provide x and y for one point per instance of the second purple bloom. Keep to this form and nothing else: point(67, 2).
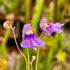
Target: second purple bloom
point(49, 28)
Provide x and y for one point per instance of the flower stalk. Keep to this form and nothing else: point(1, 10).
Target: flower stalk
point(7, 25)
point(31, 66)
point(33, 58)
point(18, 46)
point(38, 54)
point(37, 59)
point(28, 59)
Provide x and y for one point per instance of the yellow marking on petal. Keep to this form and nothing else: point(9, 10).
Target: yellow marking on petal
point(29, 31)
point(45, 25)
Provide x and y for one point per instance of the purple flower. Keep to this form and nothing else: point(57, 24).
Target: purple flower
point(49, 28)
point(29, 39)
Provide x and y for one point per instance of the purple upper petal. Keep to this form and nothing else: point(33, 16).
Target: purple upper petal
point(25, 28)
point(42, 22)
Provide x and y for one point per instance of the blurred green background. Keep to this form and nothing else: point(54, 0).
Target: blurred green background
point(55, 54)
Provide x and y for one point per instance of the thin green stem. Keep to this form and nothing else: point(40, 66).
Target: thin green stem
point(38, 54)
point(41, 35)
point(37, 59)
point(28, 59)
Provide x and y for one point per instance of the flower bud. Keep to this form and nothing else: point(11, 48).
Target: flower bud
point(33, 58)
point(7, 24)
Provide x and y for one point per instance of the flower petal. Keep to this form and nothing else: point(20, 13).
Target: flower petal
point(49, 30)
point(28, 43)
point(25, 43)
point(38, 42)
point(62, 24)
point(58, 30)
point(33, 47)
point(47, 33)
point(25, 28)
point(42, 22)
point(57, 27)
point(51, 27)
point(58, 24)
